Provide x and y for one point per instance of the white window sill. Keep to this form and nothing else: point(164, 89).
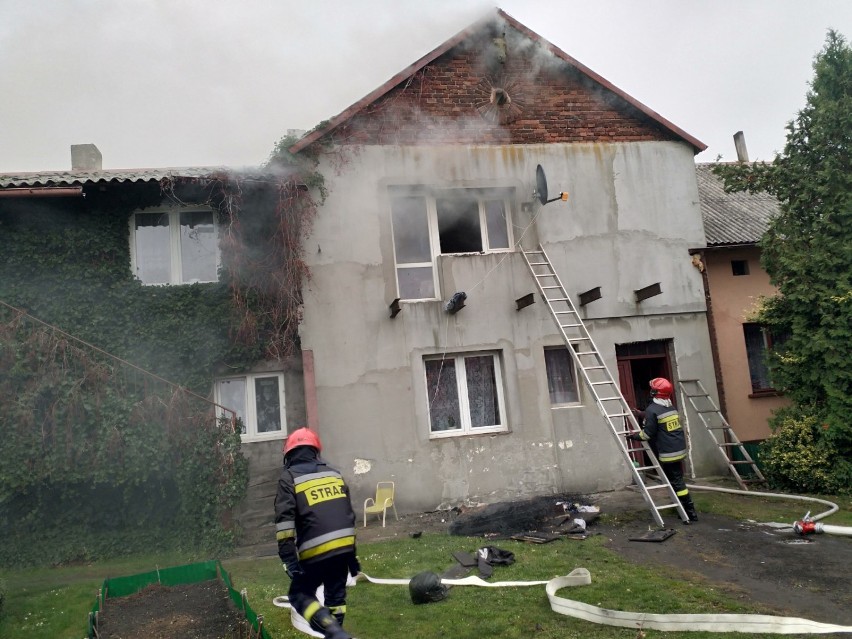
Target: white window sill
point(444, 434)
point(262, 437)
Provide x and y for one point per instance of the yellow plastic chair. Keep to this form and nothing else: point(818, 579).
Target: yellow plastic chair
point(381, 503)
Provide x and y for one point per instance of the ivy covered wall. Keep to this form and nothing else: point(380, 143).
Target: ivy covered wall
point(93, 464)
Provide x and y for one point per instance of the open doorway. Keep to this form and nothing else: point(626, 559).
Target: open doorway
point(638, 364)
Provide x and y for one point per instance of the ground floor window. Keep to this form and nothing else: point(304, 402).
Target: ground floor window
point(258, 400)
point(465, 394)
point(561, 376)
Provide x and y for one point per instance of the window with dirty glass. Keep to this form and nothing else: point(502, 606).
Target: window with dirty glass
point(561, 376)
point(465, 394)
point(413, 252)
point(757, 345)
point(174, 246)
point(427, 223)
point(258, 400)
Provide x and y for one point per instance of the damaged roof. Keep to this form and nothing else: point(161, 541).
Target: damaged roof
point(500, 17)
point(732, 219)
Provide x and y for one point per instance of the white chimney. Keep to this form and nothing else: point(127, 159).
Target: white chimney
point(739, 143)
point(86, 157)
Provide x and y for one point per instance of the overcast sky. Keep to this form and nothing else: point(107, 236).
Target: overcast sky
point(160, 83)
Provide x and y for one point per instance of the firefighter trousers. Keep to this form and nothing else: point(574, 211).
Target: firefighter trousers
point(330, 573)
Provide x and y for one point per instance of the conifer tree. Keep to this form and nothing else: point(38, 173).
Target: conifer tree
point(807, 252)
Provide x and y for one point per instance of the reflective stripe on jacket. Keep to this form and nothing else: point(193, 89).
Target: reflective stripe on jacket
point(313, 505)
point(662, 426)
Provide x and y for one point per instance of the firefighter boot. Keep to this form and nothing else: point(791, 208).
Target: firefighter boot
point(323, 621)
point(689, 507)
point(338, 612)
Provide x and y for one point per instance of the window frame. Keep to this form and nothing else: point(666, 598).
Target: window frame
point(574, 377)
point(482, 195)
point(466, 429)
point(739, 268)
point(175, 255)
point(249, 419)
point(766, 339)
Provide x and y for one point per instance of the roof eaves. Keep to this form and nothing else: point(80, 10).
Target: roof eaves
point(75, 178)
point(731, 245)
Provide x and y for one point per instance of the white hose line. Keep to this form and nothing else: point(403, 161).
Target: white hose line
point(834, 530)
point(754, 624)
point(833, 507)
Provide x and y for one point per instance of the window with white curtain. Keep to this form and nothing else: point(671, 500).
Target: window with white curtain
point(561, 376)
point(465, 394)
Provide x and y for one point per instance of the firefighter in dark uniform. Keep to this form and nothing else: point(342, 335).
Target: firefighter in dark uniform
point(663, 431)
point(315, 529)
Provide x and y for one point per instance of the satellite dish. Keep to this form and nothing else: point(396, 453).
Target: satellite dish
point(540, 184)
point(541, 188)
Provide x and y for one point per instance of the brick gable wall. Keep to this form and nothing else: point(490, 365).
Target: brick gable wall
point(457, 100)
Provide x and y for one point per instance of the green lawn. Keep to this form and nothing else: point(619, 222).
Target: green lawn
point(53, 603)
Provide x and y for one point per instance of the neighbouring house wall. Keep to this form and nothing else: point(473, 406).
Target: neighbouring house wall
point(630, 220)
point(734, 298)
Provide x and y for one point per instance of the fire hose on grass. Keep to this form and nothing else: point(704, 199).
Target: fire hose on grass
point(745, 623)
point(805, 526)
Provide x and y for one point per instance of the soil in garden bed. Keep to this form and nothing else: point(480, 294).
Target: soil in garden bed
point(202, 610)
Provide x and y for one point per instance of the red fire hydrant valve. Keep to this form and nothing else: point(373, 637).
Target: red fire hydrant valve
point(805, 527)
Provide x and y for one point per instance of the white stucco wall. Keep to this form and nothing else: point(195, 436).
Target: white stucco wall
point(631, 217)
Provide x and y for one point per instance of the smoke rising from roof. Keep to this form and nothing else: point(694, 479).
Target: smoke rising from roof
point(158, 84)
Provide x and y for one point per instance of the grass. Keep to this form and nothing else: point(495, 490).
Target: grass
point(767, 509)
point(53, 603)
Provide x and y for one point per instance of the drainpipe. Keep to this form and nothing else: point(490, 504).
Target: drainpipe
point(43, 191)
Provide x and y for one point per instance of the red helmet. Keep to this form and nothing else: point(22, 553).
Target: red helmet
point(661, 387)
point(302, 437)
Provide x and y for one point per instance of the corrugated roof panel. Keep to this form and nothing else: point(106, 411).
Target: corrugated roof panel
point(732, 218)
point(72, 178)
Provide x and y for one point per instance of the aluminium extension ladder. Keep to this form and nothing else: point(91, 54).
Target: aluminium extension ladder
point(714, 421)
point(602, 385)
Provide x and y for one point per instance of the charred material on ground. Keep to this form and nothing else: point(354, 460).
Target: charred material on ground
point(552, 514)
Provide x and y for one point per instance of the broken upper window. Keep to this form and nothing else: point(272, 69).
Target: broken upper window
point(258, 400)
point(444, 221)
point(174, 246)
point(465, 394)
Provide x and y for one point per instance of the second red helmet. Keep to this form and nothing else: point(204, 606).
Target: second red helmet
point(661, 387)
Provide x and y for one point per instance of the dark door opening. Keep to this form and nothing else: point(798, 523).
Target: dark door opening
point(638, 364)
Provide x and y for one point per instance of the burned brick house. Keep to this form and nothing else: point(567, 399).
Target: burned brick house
point(433, 193)
point(425, 355)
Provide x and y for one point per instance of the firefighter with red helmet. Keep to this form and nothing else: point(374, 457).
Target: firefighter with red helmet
point(662, 429)
point(315, 530)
